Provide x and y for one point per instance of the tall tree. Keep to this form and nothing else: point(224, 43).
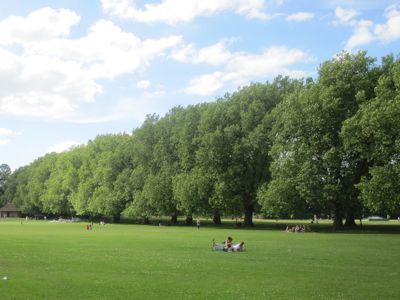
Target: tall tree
point(235, 144)
point(372, 137)
point(307, 137)
point(5, 172)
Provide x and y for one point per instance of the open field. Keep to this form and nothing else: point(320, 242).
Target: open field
point(44, 260)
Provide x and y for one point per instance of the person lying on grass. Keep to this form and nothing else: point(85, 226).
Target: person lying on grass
point(238, 247)
point(229, 246)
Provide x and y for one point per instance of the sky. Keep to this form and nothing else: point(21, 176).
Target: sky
point(72, 70)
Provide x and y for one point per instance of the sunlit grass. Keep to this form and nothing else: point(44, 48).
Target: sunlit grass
point(44, 260)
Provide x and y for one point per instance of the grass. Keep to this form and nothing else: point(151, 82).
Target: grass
point(44, 260)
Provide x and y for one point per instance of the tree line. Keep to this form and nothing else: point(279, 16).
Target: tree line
point(328, 146)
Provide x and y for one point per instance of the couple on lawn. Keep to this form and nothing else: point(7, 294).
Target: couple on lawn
point(230, 246)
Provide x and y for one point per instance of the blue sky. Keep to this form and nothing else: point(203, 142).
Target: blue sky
point(70, 70)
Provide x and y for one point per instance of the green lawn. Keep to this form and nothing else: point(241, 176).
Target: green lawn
point(44, 260)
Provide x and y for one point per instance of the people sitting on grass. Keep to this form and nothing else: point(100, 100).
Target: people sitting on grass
point(228, 246)
point(238, 247)
point(297, 228)
point(228, 243)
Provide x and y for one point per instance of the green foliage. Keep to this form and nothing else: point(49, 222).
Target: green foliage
point(381, 193)
point(325, 146)
point(193, 191)
point(372, 136)
point(5, 172)
point(309, 152)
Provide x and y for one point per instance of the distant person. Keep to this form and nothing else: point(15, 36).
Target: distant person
point(198, 223)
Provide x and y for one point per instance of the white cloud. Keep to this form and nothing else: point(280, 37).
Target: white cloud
point(389, 31)
point(143, 84)
point(107, 51)
point(205, 84)
point(243, 67)
point(361, 35)
point(300, 16)
point(63, 146)
point(37, 85)
point(216, 54)
point(345, 16)
point(51, 74)
point(5, 133)
point(40, 25)
point(177, 11)
point(366, 32)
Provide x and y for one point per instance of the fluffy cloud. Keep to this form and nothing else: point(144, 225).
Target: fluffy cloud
point(5, 133)
point(205, 85)
point(107, 51)
point(300, 16)
point(40, 25)
point(345, 16)
point(243, 67)
point(389, 31)
point(176, 11)
point(38, 85)
point(51, 75)
point(216, 54)
point(62, 147)
point(361, 35)
point(366, 32)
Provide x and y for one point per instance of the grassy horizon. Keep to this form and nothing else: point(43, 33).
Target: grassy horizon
point(45, 260)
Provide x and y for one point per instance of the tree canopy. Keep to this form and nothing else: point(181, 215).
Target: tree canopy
point(328, 146)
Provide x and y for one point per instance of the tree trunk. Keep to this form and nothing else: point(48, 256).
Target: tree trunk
point(217, 219)
point(338, 221)
point(189, 220)
point(248, 216)
point(174, 219)
point(146, 220)
point(350, 221)
point(116, 218)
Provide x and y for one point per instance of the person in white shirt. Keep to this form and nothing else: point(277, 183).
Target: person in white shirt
point(238, 247)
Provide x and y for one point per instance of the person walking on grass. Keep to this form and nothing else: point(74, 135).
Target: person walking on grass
point(198, 223)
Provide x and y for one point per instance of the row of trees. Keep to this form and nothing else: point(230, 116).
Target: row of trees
point(288, 148)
